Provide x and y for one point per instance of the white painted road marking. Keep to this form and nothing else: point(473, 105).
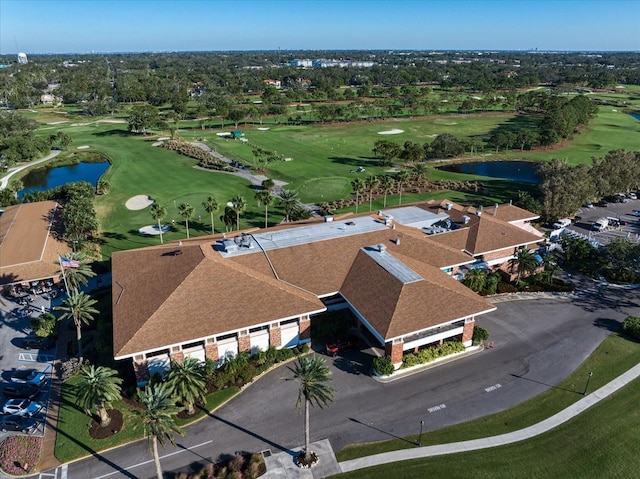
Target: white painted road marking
point(493, 388)
point(151, 460)
point(437, 408)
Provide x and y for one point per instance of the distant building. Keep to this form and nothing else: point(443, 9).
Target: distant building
point(22, 58)
point(275, 83)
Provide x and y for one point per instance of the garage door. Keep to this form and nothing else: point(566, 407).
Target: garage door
point(259, 341)
point(195, 352)
point(227, 350)
point(289, 336)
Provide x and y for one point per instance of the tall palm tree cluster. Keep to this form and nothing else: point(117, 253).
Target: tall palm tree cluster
point(230, 217)
point(388, 184)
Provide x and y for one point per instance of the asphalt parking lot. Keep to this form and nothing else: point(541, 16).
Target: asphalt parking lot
point(14, 325)
point(624, 212)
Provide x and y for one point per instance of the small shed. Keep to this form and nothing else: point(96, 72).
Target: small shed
point(237, 134)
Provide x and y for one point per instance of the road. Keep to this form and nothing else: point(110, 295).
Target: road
point(4, 181)
point(537, 344)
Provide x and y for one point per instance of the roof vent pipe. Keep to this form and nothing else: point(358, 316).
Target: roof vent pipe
point(478, 212)
point(398, 240)
point(448, 206)
point(382, 248)
point(465, 219)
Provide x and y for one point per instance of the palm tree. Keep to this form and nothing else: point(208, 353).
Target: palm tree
point(387, 183)
point(187, 382)
point(371, 183)
point(312, 375)
point(158, 213)
point(525, 261)
point(76, 276)
point(420, 172)
point(476, 279)
point(228, 218)
point(157, 418)
point(186, 211)
point(265, 198)
point(98, 388)
point(211, 206)
point(238, 205)
point(357, 186)
point(288, 199)
point(78, 306)
point(402, 177)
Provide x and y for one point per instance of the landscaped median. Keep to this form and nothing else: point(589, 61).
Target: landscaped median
point(612, 358)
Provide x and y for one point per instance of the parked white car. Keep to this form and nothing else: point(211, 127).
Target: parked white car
point(22, 407)
point(632, 196)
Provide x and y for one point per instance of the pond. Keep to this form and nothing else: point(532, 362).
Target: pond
point(635, 115)
point(524, 171)
point(48, 178)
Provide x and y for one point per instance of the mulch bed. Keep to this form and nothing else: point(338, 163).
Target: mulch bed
point(115, 426)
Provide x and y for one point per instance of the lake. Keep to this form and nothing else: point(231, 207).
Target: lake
point(48, 178)
point(524, 171)
point(635, 115)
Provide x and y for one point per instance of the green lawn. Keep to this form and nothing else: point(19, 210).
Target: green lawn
point(613, 357)
point(324, 158)
point(600, 443)
point(73, 440)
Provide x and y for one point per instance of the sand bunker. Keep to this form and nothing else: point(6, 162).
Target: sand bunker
point(84, 147)
point(157, 143)
point(114, 120)
point(164, 138)
point(153, 230)
point(139, 202)
point(263, 129)
point(57, 122)
point(395, 131)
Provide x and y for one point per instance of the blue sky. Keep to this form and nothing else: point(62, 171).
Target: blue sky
point(83, 26)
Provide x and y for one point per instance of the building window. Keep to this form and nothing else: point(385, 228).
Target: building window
point(226, 336)
point(259, 328)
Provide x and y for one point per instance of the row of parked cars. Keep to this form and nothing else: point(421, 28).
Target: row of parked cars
point(21, 409)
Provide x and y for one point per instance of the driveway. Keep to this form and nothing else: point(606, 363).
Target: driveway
point(537, 344)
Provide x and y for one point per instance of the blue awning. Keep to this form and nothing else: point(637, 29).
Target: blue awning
point(538, 258)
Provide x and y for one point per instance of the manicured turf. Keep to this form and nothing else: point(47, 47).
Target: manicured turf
point(599, 443)
point(324, 160)
point(613, 357)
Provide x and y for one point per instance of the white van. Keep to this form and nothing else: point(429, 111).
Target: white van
point(600, 224)
point(561, 223)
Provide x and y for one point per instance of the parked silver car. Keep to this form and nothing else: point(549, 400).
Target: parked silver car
point(29, 376)
point(22, 407)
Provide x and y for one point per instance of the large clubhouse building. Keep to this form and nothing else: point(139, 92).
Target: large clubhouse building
point(397, 270)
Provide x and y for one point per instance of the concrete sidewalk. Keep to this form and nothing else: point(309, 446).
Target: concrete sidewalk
point(501, 440)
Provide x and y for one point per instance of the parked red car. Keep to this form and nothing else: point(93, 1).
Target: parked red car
point(338, 346)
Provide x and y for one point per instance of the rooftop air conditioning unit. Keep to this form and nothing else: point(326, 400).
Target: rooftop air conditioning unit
point(465, 219)
point(382, 248)
point(448, 206)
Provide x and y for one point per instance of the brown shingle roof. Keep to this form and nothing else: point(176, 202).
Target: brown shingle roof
point(395, 309)
point(168, 299)
point(322, 266)
point(30, 242)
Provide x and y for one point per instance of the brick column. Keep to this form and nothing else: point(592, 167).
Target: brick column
point(211, 351)
point(177, 356)
point(244, 342)
point(467, 332)
point(275, 338)
point(141, 371)
point(304, 330)
point(394, 351)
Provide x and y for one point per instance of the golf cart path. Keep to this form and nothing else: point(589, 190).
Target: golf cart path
point(4, 181)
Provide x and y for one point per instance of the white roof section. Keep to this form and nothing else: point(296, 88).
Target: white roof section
point(285, 238)
point(392, 265)
point(415, 217)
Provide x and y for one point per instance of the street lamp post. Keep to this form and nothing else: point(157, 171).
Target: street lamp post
point(587, 385)
point(420, 438)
